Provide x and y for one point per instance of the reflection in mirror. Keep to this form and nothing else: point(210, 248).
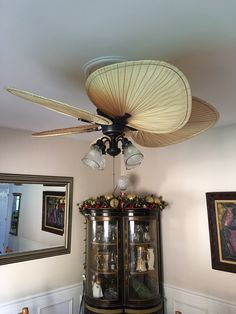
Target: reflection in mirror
point(35, 216)
point(15, 212)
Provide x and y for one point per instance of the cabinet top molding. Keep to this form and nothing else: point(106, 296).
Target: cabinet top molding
point(123, 201)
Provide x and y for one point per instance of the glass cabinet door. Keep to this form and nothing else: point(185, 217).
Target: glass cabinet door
point(102, 259)
point(142, 259)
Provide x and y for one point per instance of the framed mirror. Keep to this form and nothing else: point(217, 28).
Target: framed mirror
point(35, 216)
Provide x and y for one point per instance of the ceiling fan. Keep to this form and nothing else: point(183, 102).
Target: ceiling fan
point(147, 101)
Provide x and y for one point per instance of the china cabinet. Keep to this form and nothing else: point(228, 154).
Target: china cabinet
point(123, 261)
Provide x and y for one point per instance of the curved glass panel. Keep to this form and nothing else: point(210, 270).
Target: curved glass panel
point(142, 259)
point(102, 259)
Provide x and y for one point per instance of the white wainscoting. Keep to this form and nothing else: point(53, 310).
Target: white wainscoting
point(189, 302)
point(66, 301)
point(60, 301)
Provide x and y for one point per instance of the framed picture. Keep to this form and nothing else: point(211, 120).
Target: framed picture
point(221, 208)
point(53, 212)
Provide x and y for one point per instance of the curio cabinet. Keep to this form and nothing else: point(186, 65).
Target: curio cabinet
point(123, 256)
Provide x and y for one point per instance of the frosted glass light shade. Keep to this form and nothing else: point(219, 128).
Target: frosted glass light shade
point(132, 156)
point(103, 163)
point(94, 158)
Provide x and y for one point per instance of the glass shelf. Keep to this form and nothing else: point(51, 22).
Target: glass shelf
point(114, 272)
point(103, 243)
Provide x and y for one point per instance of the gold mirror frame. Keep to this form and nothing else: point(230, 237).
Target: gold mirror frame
point(14, 257)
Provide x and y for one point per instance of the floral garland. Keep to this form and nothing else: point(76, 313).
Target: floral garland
point(124, 201)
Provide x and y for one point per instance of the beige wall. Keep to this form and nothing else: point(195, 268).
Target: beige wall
point(20, 153)
point(183, 173)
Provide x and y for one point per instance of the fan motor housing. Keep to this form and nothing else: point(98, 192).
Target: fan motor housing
point(113, 130)
point(115, 133)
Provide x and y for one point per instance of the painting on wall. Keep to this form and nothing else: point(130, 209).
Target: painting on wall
point(221, 208)
point(53, 212)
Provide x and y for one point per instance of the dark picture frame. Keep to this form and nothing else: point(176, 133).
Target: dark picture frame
point(221, 208)
point(53, 212)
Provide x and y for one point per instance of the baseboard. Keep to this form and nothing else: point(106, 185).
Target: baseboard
point(60, 301)
point(190, 302)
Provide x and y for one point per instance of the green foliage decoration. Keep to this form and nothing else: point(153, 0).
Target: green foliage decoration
point(124, 201)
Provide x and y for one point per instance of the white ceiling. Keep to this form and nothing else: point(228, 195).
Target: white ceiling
point(45, 44)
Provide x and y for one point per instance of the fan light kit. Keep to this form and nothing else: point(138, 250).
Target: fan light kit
point(95, 158)
point(148, 101)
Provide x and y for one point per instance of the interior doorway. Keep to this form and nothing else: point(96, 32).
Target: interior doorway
point(4, 193)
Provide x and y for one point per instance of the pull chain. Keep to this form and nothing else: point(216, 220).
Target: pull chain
point(113, 173)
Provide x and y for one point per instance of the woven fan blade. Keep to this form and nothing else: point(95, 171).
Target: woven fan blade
point(60, 107)
point(203, 117)
point(67, 131)
point(155, 94)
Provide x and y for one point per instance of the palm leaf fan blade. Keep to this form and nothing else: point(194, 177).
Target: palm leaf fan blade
point(60, 107)
point(203, 116)
point(156, 94)
point(67, 131)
